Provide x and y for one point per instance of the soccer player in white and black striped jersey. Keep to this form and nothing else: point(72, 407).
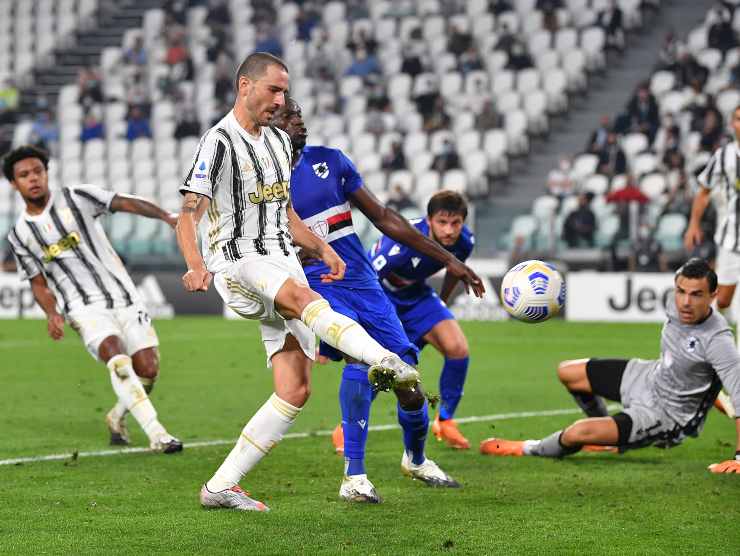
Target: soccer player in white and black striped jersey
point(77, 277)
point(720, 183)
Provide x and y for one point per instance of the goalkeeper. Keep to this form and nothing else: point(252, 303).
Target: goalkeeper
point(665, 400)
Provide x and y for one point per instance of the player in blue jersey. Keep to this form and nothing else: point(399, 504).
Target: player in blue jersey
point(403, 272)
point(324, 186)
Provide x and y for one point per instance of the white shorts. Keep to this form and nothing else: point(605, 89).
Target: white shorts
point(728, 267)
point(249, 286)
point(131, 324)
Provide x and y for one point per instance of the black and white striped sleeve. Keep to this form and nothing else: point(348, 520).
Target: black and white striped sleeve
point(28, 266)
point(92, 199)
point(207, 168)
point(711, 176)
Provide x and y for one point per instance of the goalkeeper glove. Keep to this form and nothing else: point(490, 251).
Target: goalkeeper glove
point(729, 466)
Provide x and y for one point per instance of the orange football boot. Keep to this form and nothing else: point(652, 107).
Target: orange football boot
point(337, 439)
point(599, 448)
point(501, 447)
point(448, 431)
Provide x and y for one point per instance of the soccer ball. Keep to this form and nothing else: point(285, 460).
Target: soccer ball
point(533, 291)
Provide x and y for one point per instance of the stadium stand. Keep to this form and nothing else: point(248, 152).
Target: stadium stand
point(640, 166)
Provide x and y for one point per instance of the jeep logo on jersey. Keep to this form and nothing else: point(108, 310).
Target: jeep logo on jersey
point(55, 249)
point(267, 193)
point(321, 169)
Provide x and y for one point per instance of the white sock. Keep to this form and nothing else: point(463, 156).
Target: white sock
point(119, 410)
point(264, 430)
point(342, 333)
point(132, 396)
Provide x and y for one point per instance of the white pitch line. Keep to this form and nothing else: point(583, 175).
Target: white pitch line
point(292, 435)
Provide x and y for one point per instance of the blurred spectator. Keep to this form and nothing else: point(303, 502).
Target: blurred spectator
point(306, 20)
point(224, 80)
point(177, 10)
point(559, 181)
point(364, 64)
point(219, 14)
point(426, 102)
point(188, 126)
point(447, 159)
point(92, 127)
point(549, 9)
point(497, 7)
point(488, 118)
point(679, 196)
point(643, 112)
point(395, 159)
point(611, 20)
point(712, 131)
point(668, 137)
point(690, 72)
point(458, 41)
point(356, 9)
point(6, 138)
point(177, 52)
point(612, 160)
point(580, 225)
point(9, 99)
point(506, 39)
point(597, 141)
point(268, 41)
point(263, 12)
point(136, 54)
point(721, 34)
point(323, 58)
point(360, 41)
point(669, 51)
point(45, 132)
point(412, 62)
point(90, 86)
point(138, 124)
point(646, 253)
point(438, 119)
point(519, 58)
point(398, 199)
point(470, 61)
point(137, 94)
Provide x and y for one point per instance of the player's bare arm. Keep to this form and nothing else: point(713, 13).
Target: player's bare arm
point(694, 235)
point(306, 239)
point(46, 300)
point(197, 278)
point(142, 207)
point(398, 228)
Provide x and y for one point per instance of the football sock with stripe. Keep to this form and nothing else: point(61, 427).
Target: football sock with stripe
point(414, 424)
point(451, 383)
point(119, 410)
point(132, 396)
point(355, 398)
point(265, 429)
point(342, 332)
point(591, 404)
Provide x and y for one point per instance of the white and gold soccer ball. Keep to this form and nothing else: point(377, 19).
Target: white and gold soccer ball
point(533, 291)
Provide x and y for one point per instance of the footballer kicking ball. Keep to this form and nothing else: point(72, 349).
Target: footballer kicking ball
point(533, 291)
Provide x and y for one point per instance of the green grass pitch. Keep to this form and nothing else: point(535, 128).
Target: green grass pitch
point(213, 378)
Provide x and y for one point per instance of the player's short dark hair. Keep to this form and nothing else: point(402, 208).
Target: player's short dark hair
point(255, 65)
point(447, 201)
point(697, 268)
point(21, 153)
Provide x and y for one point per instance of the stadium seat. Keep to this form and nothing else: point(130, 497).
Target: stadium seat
point(495, 145)
point(375, 182)
point(438, 139)
point(670, 231)
point(574, 64)
point(633, 144)
point(661, 82)
point(597, 184)
point(421, 162)
point(364, 143)
point(608, 228)
point(555, 82)
point(566, 40)
point(535, 107)
point(523, 230)
point(414, 143)
point(502, 81)
point(539, 43)
point(528, 80)
point(508, 101)
point(515, 125)
point(584, 165)
point(653, 185)
point(426, 185)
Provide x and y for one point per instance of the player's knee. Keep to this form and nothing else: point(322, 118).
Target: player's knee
point(297, 395)
point(457, 349)
point(300, 296)
point(571, 373)
point(146, 363)
point(565, 372)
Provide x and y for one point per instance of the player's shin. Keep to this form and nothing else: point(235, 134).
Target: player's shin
point(342, 333)
point(355, 398)
point(415, 423)
point(132, 396)
point(549, 447)
point(451, 383)
point(263, 431)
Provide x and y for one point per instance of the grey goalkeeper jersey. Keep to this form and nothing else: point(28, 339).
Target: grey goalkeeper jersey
point(693, 357)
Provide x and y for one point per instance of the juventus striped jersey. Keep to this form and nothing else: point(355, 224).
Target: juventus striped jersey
point(321, 183)
point(722, 176)
point(247, 180)
point(67, 244)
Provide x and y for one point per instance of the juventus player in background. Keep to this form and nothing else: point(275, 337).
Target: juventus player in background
point(76, 276)
point(240, 177)
point(665, 400)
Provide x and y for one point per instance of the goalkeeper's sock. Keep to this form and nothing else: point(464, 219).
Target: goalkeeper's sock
point(591, 404)
point(265, 429)
point(342, 333)
point(451, 383)
point(132, 396)
point(549, 447)
point(415, 424)
point(355, 398)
